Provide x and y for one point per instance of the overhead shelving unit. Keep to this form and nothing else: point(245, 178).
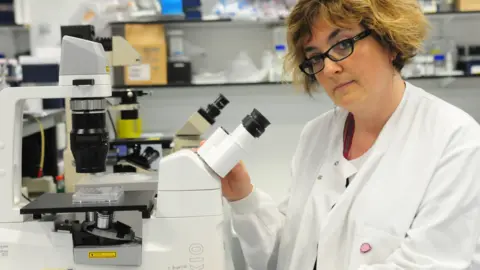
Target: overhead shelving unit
point(448, 13)
point(14, 27)
point(441, 14)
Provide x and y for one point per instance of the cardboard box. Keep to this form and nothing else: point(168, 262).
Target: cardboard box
point(150, 42)
point(468, 5)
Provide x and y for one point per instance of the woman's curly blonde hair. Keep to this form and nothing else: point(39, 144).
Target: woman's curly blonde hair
point(399, 25)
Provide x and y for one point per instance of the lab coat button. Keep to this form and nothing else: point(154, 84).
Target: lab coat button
point(320, 177)
point(336, 163)
point(365, 247)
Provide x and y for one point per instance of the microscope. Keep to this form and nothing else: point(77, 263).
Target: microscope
point(134, 169)
point(181, 222)
point(118, 53)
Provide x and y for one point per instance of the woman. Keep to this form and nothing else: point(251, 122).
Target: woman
point(387, 180)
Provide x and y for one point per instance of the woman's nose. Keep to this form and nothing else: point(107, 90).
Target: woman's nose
point(331, 67)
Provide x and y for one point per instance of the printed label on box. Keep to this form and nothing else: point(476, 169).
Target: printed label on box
point(139, 72)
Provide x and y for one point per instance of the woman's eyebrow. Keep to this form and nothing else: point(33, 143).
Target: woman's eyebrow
point(334, 34)
point(331, 37)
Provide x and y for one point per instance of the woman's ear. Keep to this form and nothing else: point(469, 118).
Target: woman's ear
point(393, 56)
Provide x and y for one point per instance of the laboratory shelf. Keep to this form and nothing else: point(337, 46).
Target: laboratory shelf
point(120, 87)
point(172, 21)
point(442, 77)
point(49, 118)
point(443, 13)
point(440, 14)
point(11, 26)
point(209, 22)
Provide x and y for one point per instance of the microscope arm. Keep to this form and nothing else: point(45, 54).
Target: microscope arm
point(83, 75)
point(12, 100)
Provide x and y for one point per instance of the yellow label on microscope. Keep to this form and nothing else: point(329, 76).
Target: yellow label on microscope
point(102, 255)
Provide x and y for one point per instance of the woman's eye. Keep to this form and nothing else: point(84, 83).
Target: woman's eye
point(316, 58)
point(343, 45)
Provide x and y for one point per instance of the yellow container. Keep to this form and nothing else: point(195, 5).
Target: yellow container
point(129, 128)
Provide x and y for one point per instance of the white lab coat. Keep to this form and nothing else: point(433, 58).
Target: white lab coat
point(414, 203)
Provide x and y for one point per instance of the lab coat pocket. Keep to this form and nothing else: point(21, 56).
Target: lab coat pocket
point(372, 246)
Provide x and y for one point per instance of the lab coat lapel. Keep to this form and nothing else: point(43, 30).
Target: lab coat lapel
point(309, 225)
point(336, 220)
point(301, 206)
point(300, 229)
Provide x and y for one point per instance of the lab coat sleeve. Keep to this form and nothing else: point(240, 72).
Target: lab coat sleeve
point(446, 228)
point(258, 221)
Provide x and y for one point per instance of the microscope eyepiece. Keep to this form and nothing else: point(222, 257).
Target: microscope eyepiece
point(106, 43)
point(221, 102)
point(223, 150)
point(262, 120)
point(255, 123)
point(213, 110)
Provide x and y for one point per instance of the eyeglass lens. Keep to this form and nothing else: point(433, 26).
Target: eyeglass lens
point(338, 52)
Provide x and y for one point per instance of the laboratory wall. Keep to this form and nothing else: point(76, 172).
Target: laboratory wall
point(288, 109)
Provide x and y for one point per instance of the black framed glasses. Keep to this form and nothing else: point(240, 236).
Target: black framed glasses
point(336, 53)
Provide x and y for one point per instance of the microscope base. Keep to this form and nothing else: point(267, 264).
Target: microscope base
point(167, 244)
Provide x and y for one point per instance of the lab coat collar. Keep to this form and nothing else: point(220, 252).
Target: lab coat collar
point(383, 141)
point(344, 167)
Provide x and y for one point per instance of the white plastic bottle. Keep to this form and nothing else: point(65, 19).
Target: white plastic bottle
point(277, 66)
point(177, 50)
point(280, 50)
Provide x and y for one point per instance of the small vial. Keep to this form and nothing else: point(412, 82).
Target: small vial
point(439, 63)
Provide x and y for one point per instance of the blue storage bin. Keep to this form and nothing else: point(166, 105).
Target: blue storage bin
point(172, 7)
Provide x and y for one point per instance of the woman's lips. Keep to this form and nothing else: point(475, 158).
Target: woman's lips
point(342, 86)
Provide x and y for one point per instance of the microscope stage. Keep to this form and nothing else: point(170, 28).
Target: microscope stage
point(55, 203)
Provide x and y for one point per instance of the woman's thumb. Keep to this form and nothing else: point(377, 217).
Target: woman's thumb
point(196, 149)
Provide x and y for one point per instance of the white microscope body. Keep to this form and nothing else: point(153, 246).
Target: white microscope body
point(184, 232)
point(189, 198)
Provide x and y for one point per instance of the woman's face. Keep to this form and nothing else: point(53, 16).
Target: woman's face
point(361, 79)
